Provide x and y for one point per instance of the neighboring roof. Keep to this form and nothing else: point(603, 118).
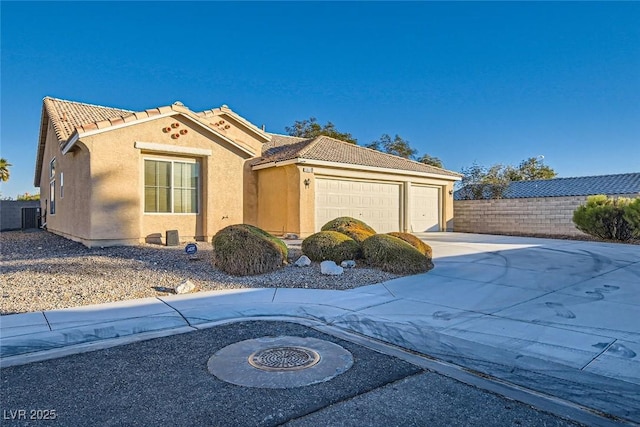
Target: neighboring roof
point(628, 183)
point(70, 119)
point(323, 148)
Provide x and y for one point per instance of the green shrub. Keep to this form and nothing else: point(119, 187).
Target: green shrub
point(394, 255)
point(352, 227)
point(604, 217)
point(421, 246)
point(244, 250)
point(330, 245)
point(632, 216)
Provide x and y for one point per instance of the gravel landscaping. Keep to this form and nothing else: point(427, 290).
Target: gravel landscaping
point(43, 271)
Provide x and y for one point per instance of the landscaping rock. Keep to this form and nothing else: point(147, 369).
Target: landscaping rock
point(330, 268)
point(185, 287)
point(348, 264)
point(303, 261)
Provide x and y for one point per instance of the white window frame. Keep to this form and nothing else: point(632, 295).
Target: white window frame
point(173, 160)
point(52, 186)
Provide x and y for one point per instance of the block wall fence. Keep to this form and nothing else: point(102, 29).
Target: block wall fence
point(11, 212)
point(541, 215)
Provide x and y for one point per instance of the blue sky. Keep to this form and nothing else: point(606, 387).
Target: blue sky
point(465, 82)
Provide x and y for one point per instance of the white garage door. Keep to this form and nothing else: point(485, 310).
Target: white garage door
point(425, 209)
point(377, 204)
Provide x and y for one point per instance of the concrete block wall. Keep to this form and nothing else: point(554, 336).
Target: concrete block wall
point(11, 213)
point(543, 215)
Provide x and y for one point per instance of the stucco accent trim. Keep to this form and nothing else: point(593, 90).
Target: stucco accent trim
point(70, 143)
point(310, 162)
point(76, 135)
point(172, 149)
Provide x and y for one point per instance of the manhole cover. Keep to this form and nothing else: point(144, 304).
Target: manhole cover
point(284, 358)
point(280, 362)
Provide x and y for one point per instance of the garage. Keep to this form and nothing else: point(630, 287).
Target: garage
point(425, 211)
point(375, 203)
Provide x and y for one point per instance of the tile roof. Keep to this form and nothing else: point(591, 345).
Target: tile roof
point(70, 118)
point(324, 148)
point(628, 183)
point(67, 116)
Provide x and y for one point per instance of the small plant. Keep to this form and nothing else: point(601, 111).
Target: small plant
point(330, 245)
point(394, 255)
point(605, 218)
point(244, 250)
point(632, 216)
point(421, 246)
point(352, 227)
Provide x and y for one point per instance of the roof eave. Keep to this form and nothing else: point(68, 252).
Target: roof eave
point(44, 126)
point(70, 143)
point(245, 124)
point(312, 162)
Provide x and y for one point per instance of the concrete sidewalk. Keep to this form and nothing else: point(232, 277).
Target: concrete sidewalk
point(555, 316)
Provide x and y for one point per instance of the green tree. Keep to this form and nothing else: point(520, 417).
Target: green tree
point(396, 146)
point(479, 182)
point(27, 196)
point(530, 169)
point(311, 128)
point(429, 160)
point(491, 183)
point(4, 169)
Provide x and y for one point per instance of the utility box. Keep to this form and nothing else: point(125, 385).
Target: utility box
point(172, 238)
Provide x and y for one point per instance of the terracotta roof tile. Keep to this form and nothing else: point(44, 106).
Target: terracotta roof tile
point(324, 148)
point(67, 116)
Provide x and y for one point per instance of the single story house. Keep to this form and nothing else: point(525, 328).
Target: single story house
point(543, 207)
point(110, 176)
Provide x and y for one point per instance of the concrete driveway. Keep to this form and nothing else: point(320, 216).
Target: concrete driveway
point(556, 316)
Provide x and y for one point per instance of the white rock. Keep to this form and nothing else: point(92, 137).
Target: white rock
point(348, 264)
point(330, 268)
point(185, 287)
point(303, 261)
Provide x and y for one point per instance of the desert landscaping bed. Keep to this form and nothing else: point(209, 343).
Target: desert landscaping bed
point(43, 271)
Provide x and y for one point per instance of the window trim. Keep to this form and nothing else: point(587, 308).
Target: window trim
point(173, 160)
point(52, 197)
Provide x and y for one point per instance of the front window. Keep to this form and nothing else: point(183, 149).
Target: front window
point(171, 186)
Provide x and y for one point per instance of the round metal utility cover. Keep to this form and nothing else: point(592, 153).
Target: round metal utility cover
point(284, 358)
point(280, 362)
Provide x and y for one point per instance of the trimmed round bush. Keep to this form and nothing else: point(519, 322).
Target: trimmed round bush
point(330, 245)
point(354, 228)
point(421, 246)
point(389, 253)
point(244, 250)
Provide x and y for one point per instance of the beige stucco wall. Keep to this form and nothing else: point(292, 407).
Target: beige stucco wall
point(69, 220)
point(287, 205)
point(278, 200)
point(105, 173)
